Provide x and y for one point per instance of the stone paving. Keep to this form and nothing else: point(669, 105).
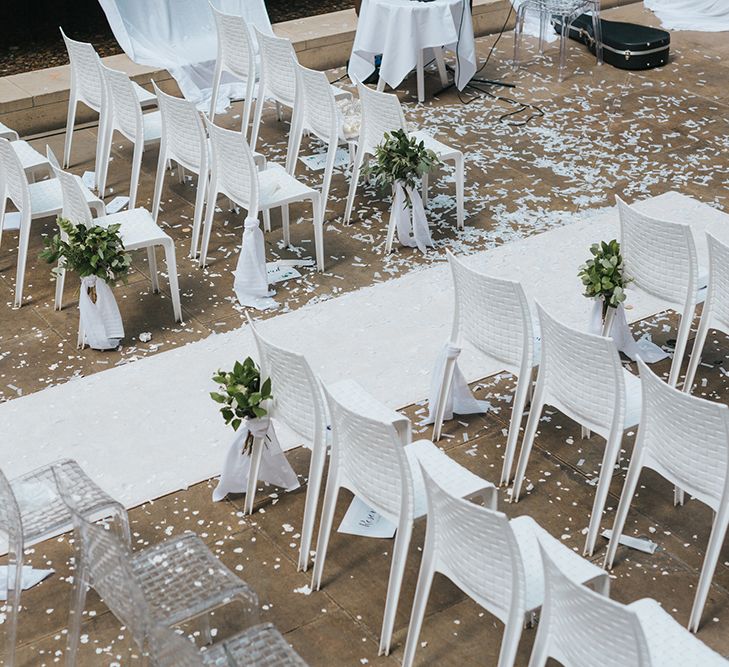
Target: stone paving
point(604, 132)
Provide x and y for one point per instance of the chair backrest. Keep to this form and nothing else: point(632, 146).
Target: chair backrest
point(475, 547)
point(278, 61)
point(581, 627)
point(125, 110)
point(75, 207)
point(369, 453)
point(10, 518)
point(717, 296)
point(13, 181)
point(170, 649)
point(316, 98)
point(233, 170)
point(85, 76)
point(659, 256)
point(685, 439)
point(183, 132)
point(235, 44)
point(492, 314)
point(582, 375)
point(297, 395)
point(381, 112)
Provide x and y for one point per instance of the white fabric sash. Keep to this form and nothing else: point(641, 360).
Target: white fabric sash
point(100, 323)
point(275, 468)
point(410, 222)
point(250, 279)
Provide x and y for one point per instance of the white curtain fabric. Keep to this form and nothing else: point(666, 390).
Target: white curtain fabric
point(703, 15)
point(101, 323)
point(180, 36)
point(250, 278)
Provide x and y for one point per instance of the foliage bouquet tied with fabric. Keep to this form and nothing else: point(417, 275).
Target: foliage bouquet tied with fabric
point(98, 255)
point(602, 275)
point(400, 162)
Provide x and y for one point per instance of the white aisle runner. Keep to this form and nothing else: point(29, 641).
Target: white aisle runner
point(149, 428)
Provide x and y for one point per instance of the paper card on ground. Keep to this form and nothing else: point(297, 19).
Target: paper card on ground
point(29, 578)
point(318, 161)
point(640, 544)
point(11, 221)
point(116, 205)
point(278, 272)
point(362, 520)
point(89, 179)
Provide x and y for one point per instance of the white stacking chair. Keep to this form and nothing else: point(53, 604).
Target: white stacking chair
point(494, 560)
point(87, 87)
point(123, 113)
point(373, 457)
point(8, 133)
point(715, 313)
point(580, 374)
point(685, 439)
point(578, 627)
point(31, 511)
point(298, 402)
point(34, 163)
point(660, 258)
point(33, 200)
point(381, 112)
point(234, 174)
point(236, 55)
point(185, 142)
point(137, 229)
point(492, 315)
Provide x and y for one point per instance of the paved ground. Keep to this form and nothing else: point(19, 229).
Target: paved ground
point(603, 132)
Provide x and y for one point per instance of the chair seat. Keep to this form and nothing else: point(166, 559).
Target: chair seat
point(431, 143)
point(29, 157)
point(529, 535)
point(46, 197)
point(181, 578)
point(152, 124)
point(145, 97)
point(447, 473)
point(138, 228)
point(260, 646)
point(278, 187)
point(669, 642)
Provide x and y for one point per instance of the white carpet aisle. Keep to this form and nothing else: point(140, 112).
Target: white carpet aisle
point(149, 428)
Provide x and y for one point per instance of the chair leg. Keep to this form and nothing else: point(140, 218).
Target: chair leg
point(78, 602)
point(460, 185)
point(562, 48)
point(397, 570)
point(535, 411)
point(257, 113)
point(171, 261)
point(424, 189)
point(256, 455)
point(597, 29)
point(294, 146)
point(216, 88)
point(684, 329)
point(445, 389)
point(153, 275)
point(353, 184)
point(279, 111)
point(158, 184)
point(313, 488)
point(247, 104)
point(328, 174)
point(440, 63)
point(517, 414)
point(699, 343)
point(70, 122)
point(136, 169)
point(420, 75)
point(12, 607)
point(510, 642)
point(208, 226)
point(102, 165)
point(266, 219)
point(318, 231)
point(285, 224)
point(540, 650)
point(518, 30)
point(380, 85)
point(325, 527)
point(202, 180)
point(60, 282)
point(422, 592)
point(22, 257)
point(631, 483)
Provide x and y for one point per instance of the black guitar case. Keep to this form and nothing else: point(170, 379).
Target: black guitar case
point(624, 45)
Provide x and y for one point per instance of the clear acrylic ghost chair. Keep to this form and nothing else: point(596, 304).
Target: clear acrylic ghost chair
point(184, 141)
point(578, 627)
point(31, 510)
point(298, 402)
point(381, 112)
point(715, 313)
point(494, 560)
point(685, 439)
point(660, 258)
point(317, 112)
point(492, 315)
point(260, 646)
point(236, 55)
point(373, 457)
point(179, 579)
point(138, 231)
point(580, 374)
point(564, 10)
point(123, 114)
point(234, 174)
point(33, 201)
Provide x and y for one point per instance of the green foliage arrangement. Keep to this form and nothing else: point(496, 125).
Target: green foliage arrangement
point(602, 275)
point(400, 158)
point(242, 395)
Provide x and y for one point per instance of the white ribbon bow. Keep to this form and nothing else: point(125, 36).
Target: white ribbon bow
point(250, 279)
point(410, 223)
point(100, 323)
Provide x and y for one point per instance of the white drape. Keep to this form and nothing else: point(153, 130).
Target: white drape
point(100, 323)
point(250, 279)
point(409, 221)
point(704, 15)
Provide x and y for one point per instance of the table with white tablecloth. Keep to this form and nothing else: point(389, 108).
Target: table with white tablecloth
point(180, 36)
point(400, 30)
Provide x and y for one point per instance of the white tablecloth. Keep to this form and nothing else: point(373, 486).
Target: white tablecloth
point(705, 15)
point(399, 29)
point(180, 36)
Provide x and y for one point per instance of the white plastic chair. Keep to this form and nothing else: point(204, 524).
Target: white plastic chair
point(138, 231)
point(660, 258)
point(8, 133)
point(33, 200)
point(578, 627)
point(87, 87)
point(580, 374)
point(381, 112)
point(237, 55)
point(123, 113)
point(373, 457)
point(34, 163)
point(234, 174)
point(492, 315)
point(715, 313)
point(494, 560)
point(685, 439)
point(183, 140)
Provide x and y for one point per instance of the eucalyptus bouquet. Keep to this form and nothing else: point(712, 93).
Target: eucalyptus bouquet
point(602, 275)
point(242, 395)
